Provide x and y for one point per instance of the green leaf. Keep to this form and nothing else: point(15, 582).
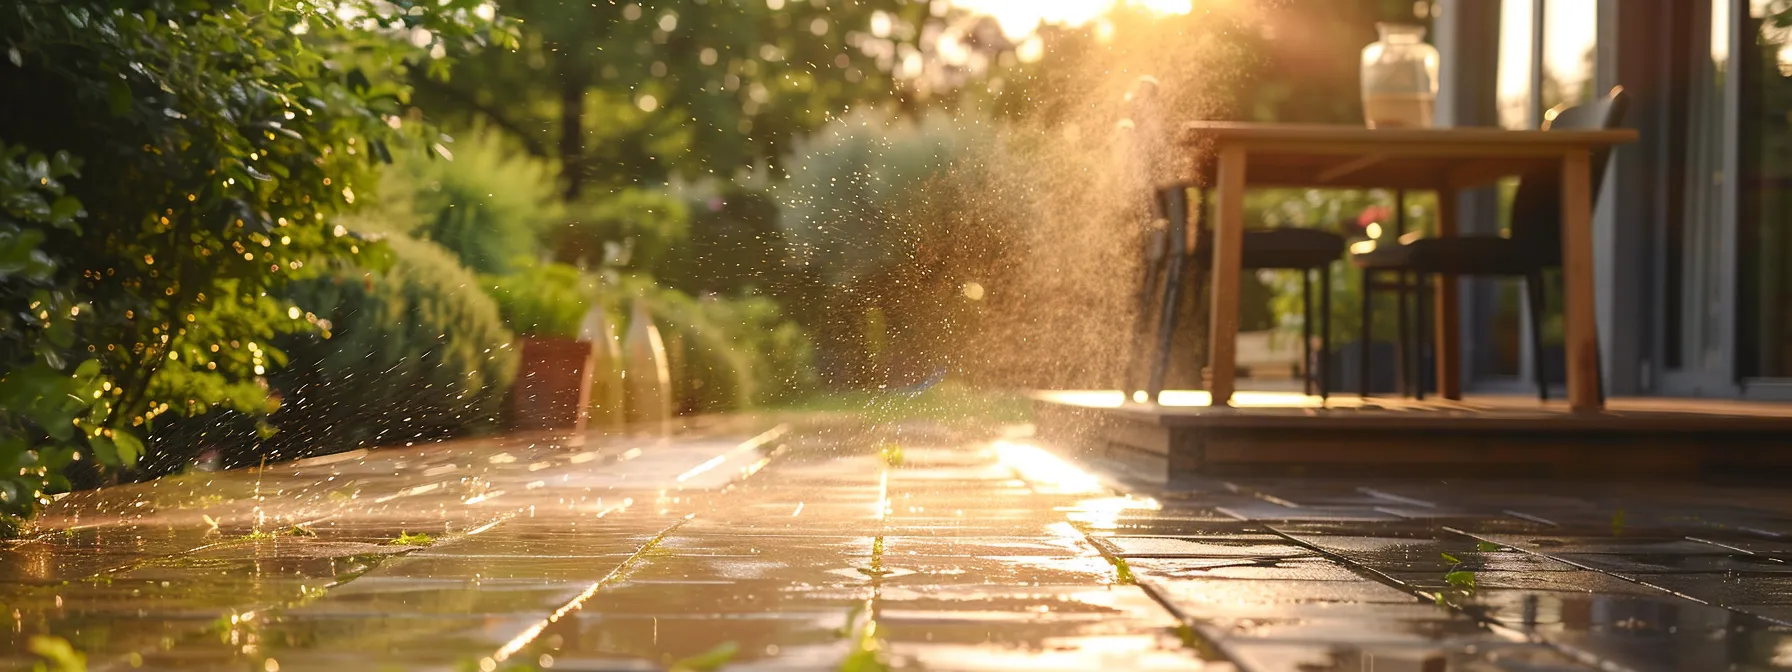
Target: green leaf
point(1488, 547)
point(105, 451)
point(1452, 559)
point(357, 81)
point(119, 96)
point(66, 207)
point(16, 454)
point(408, 539)
point(376, 256)
point(1461, 579)
point(61, 332)
point(18, 252)
point(379, 150)
point(57, 652)
point(130, 448)
point(65, 164)
point(61, 431)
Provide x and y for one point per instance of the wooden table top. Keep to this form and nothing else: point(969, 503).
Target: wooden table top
point(1355, 157)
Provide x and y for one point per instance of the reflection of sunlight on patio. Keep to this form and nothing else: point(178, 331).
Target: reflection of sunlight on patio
point(1104, 513)
point(1047, 472)
point(1060, 653)
point(1115, 399)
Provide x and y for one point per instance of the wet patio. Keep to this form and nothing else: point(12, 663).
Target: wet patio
point(758, 544)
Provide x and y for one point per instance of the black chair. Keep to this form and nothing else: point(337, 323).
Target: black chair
point(1170, 256)
point(1535, 242)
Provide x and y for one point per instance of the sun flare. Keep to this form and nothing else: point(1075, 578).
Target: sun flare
point(1020, 17)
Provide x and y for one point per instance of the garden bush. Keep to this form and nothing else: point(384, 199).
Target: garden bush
point(850, 186)
point(542, 299)
point(221, 140)
point(854, 215)
point(412, 354)
point(487, 204)
point(725, 353)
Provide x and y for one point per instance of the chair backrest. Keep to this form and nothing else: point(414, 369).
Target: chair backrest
point(1537, 207)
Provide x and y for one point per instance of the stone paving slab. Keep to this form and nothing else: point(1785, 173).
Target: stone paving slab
point(757, 546)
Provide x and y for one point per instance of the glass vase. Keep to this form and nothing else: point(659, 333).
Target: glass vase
point(1399, 78)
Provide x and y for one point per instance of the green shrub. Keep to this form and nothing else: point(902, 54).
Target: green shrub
point(43, 391)
point(222, 140)
point(634, 229)
point(731, 353)
point(851, 183)
point(415, 353)
point(866, 218)
point(488, 205)
point(542, 299)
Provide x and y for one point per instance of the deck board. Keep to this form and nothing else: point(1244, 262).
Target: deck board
point(1284, 432)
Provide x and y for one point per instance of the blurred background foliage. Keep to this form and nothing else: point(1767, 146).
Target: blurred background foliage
point(250, 231)
point(488, 204)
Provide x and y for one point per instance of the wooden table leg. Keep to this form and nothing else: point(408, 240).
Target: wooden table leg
point(1582, 330)
point(1449, 323)
point(1228, 255)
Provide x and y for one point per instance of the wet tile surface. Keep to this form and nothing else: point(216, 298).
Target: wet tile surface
point(810, 548)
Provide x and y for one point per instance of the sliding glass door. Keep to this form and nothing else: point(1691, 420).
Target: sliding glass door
point(1764, 193)
point(1726, 266)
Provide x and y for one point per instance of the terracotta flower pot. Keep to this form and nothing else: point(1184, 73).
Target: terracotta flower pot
point(553, 384)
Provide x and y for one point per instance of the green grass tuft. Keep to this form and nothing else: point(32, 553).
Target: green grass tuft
point(408, 539)
point(891, 454)
point(708, 661)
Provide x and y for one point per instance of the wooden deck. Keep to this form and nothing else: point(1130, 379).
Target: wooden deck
point(1270, 432)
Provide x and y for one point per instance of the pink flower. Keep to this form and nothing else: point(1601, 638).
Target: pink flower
point(1372, 215)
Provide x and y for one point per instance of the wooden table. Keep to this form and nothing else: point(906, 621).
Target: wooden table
point(1233, 157)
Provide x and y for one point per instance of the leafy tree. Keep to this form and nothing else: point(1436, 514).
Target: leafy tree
point(220, 139)
point(628, 93)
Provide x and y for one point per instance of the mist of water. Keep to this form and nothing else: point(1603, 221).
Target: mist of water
point(1027, 254)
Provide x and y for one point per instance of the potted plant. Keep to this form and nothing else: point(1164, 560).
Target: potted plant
point(546, 304)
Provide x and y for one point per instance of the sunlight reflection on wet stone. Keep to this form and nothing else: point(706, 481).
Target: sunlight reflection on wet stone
point(968, 555)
